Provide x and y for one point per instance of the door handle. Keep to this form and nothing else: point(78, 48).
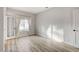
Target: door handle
point(75, 30)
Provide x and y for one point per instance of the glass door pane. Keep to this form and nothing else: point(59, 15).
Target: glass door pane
point(11, 26)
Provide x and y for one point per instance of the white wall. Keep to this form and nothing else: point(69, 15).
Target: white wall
point(1, 28)
point(56, 24)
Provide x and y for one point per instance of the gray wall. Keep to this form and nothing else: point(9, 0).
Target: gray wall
point(56, 24)
point(1, 28)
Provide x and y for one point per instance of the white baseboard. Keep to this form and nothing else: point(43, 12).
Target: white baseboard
point(14, 37)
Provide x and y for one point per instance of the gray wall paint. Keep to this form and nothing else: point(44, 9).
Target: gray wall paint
point(56, 24)
point(1, 28)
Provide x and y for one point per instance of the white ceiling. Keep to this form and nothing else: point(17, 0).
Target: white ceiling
point(34, 10)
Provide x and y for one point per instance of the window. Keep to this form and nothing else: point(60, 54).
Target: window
point(24, 25)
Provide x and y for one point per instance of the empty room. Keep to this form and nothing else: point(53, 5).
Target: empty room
point(39, 29)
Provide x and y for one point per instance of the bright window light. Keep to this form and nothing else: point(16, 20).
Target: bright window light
point(24, 25)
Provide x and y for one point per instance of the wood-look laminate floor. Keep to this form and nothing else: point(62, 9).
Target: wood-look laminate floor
point(37, 44)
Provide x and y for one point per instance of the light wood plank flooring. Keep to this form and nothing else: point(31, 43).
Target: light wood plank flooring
point(37, 44)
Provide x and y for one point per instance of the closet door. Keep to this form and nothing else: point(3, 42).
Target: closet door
point(68, 23)
point(77, 28)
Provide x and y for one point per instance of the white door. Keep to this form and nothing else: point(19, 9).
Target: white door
point(68, 23)
point(77, 28)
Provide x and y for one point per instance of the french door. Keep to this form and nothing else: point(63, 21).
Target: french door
point(11, 26)
point(18, 26)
